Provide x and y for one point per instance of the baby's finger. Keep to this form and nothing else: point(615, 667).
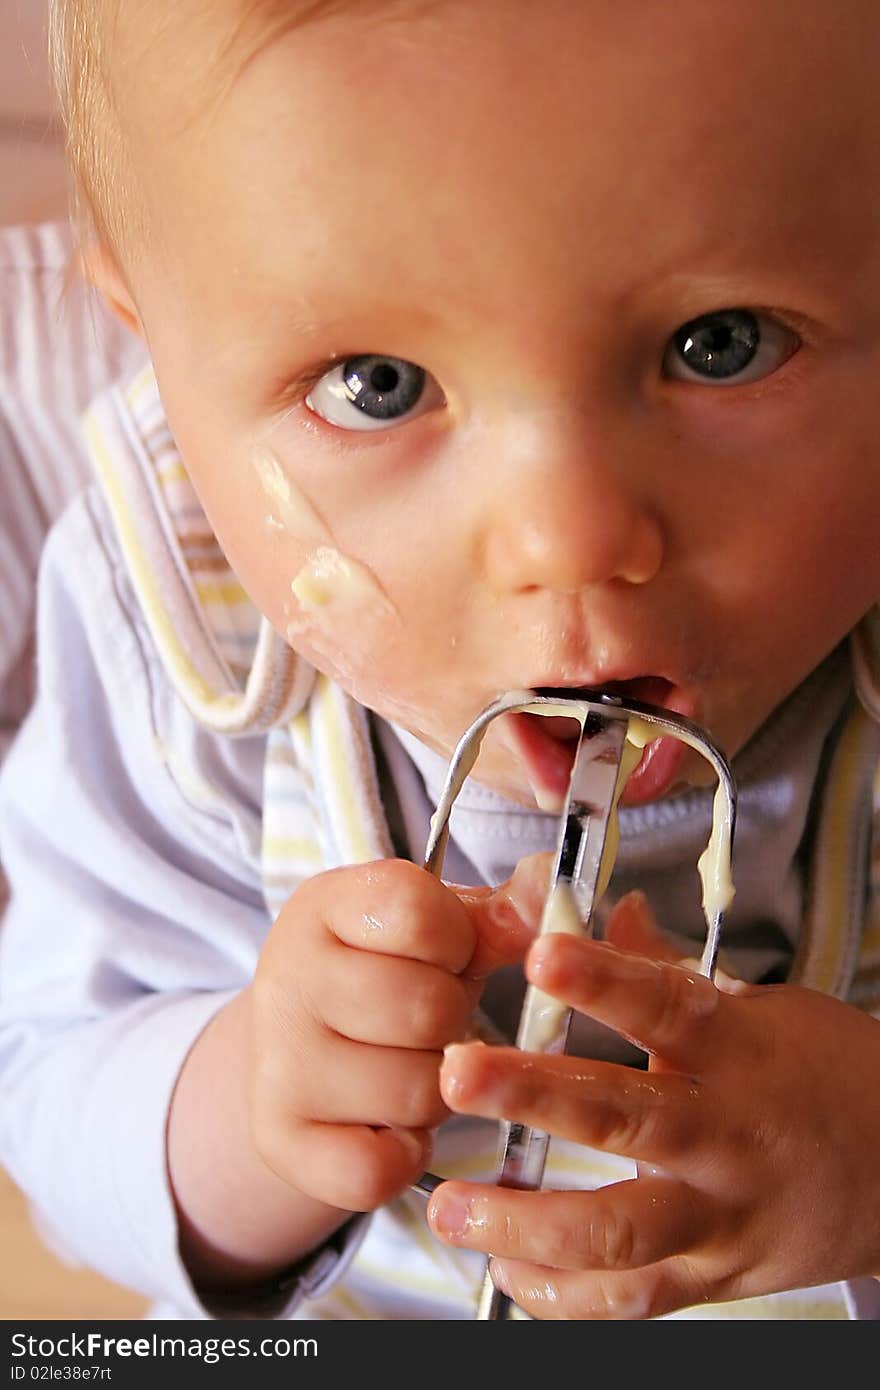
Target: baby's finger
point(353, 1167)
point(653, 1117)
point(507, 918)
point(662, 1008)
point(391, 1002)
point(394, 908)
point(619, 1227)
point(343, 1082)
point(632, 927)
point(634, 1295)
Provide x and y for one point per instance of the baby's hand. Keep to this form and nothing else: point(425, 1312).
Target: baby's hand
point(755, 1131)
point(366, 975)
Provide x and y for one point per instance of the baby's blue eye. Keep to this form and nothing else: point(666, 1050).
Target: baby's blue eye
point(372, 392)
point(730, 347)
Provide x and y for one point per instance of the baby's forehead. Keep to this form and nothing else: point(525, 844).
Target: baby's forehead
point(226, 31)
point(697, 92)
point(197, 49)
point(215, 41)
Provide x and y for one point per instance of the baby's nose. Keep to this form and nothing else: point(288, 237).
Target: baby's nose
point(567, 523)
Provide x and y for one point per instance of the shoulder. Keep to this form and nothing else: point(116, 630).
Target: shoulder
point(85, 607)
point(102, 686)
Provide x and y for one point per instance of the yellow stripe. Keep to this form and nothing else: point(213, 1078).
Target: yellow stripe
point(871, 939)
point(164, 454)
point(838, 847)
point(438, 1253)
point(471, 1167)
point(351, 1304)
point(144, 381)
point(301, 730)
point(291, 847)
point(782, 1309)
point(835, 848)
point(173, 472)
point(342, 779)
point(867, 636)
point(174, 653)
point(227, 593)
point(407, 1279)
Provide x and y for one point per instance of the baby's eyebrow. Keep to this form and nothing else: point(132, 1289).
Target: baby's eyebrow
point(264, 22)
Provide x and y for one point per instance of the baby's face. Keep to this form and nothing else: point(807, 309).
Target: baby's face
point(509, 351)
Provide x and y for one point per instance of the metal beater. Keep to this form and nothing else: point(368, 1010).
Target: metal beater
point(578, 867)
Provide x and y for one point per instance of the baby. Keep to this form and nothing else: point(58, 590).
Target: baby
point(492, 347)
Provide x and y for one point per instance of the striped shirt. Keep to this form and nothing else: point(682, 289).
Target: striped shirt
point(58, 348)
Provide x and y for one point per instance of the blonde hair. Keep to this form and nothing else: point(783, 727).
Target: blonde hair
point(84, 41)
point(79, 33)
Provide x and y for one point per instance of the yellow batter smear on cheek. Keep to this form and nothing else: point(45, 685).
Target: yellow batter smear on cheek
point(291, 509)
point(330, 578)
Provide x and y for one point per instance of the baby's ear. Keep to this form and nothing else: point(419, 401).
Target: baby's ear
point(101, 269)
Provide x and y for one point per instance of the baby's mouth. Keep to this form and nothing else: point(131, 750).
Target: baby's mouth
point(545, 745)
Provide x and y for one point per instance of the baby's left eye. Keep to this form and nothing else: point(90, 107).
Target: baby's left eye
point(371, 392)
point(730, 347)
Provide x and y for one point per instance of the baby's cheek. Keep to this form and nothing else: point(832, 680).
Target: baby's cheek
point(347, 588)
point(341, 619)
point(331, 607)
point(358, 614)
point(339, 614)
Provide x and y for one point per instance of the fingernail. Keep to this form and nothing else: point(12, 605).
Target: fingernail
point(730, 984)
point(636, 904)
point(528, 887)
point(511, 913)
point(450, 1215)
point(499, 1278)
point(539, 953)
point(451, 1087)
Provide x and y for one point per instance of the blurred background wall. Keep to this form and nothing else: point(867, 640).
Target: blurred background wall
point(33, 183)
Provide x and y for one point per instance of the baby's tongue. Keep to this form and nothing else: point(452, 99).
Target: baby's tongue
point(545, 746)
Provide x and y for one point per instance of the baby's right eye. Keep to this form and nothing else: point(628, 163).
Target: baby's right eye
point(372, 392)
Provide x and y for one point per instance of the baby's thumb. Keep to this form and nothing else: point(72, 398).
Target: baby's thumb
point(507, 918)
point(633, 927)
